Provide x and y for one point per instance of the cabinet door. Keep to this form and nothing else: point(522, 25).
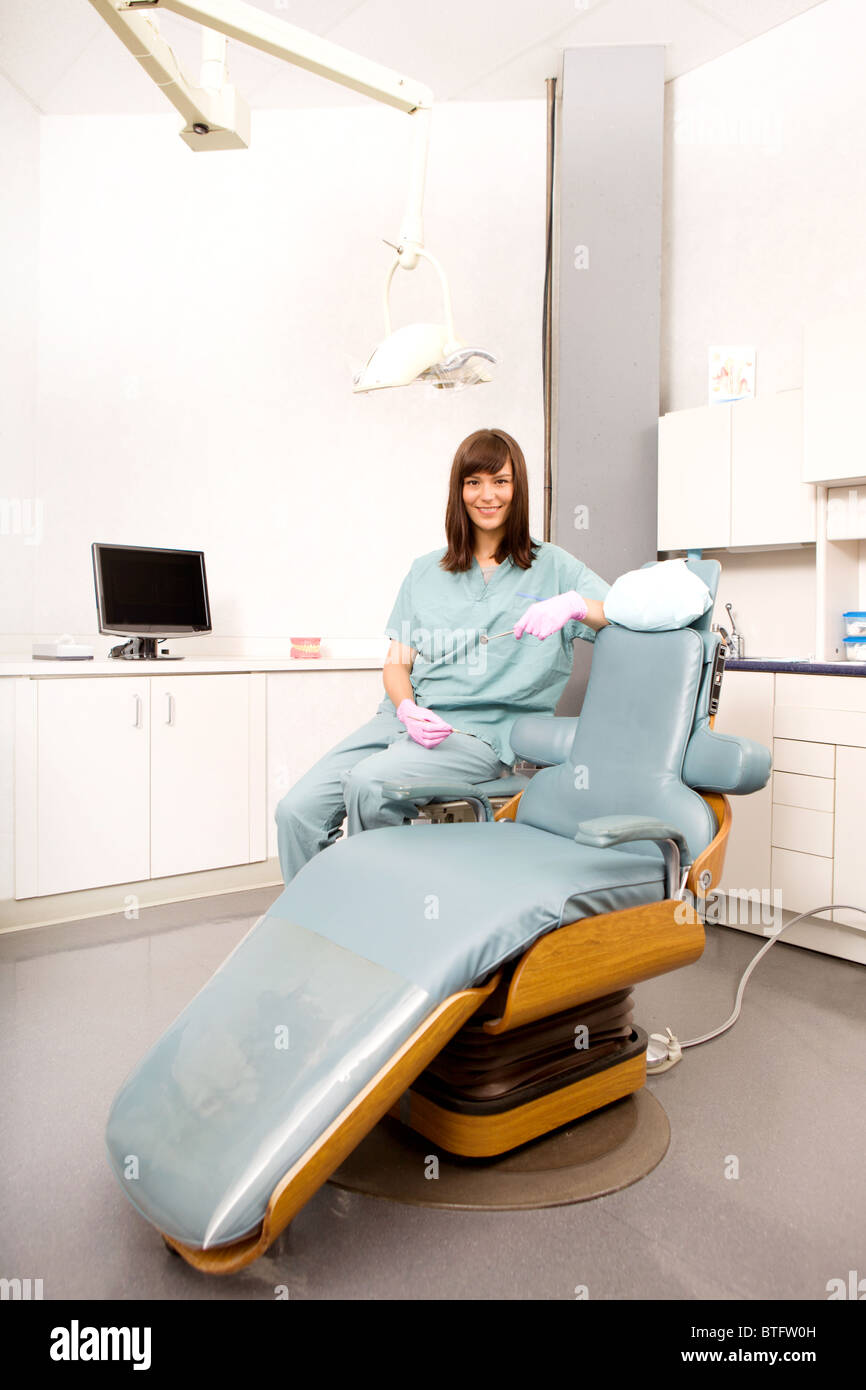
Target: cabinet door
point(92, 782)
point(849, 874)
point(200, 766)
point(746, 709)
point(834, 366)
point(308, 713)
point(770, 503)
point(694, 488)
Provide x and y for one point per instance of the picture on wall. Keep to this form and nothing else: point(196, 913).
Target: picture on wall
point(731, 374)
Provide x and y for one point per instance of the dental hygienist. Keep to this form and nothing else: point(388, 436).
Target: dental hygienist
point(451, 698)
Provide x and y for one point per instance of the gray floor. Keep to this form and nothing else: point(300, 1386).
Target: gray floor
point(782, 1093)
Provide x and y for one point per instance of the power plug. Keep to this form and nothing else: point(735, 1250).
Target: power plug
point(663, 1051)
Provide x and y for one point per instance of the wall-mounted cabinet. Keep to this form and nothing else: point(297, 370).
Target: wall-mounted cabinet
point(694, 497)
point(731, 475)
point(834, 424)
point(770, 504)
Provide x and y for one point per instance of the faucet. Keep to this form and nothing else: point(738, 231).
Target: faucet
point(735, 643)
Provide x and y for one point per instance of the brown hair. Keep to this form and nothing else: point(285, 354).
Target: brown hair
point(487, 451)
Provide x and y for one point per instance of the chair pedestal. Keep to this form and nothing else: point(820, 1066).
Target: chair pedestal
point(484, 1095)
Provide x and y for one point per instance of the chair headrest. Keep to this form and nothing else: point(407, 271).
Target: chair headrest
point(709, 572)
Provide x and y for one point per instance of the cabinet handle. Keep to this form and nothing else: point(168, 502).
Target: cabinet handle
point(137, 721)
point(169, 708)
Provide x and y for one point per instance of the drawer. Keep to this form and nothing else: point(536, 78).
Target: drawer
point(812, 759)
point(821, 725)
point(810, 832)
point(811, 793)
point(822, 692)
point(804, 880)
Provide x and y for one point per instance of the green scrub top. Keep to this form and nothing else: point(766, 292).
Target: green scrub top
point(482, 688)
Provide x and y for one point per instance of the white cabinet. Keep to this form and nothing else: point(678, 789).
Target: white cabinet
point(770, 504)
point(200, 773)
point(694, 480)
point(804, 835)
point(90, 798)
point(834, 368)
point(819, 812)
point(308, 713)
point(803, 880)
point(730, 475)
point(121, 779)
point(746, 710)
point(849, 869)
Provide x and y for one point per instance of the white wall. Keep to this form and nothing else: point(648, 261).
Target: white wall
point(764, 209)
point(19, 243)
point(765, 199)
point(200, 317)
point(773, 598)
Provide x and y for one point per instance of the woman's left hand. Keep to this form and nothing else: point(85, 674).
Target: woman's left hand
point(551, 614)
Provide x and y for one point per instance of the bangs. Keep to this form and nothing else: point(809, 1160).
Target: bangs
point(489, 454)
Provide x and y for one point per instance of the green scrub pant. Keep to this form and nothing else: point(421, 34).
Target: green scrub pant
point(347, 783)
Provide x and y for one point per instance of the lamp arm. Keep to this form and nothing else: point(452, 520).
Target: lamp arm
point(418, 253)
point(213, 61)
point(213, 106)
point(274, 36)
point(412, 230)
point(140, 34)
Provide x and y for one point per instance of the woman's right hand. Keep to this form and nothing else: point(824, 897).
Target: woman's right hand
point(422, 725)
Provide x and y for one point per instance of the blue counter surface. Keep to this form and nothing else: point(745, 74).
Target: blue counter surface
point(800, 668)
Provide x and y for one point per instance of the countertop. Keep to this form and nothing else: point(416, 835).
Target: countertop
point(799, 668)
point(23, 665)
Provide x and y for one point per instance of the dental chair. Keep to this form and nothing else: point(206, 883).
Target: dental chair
point(471, 979)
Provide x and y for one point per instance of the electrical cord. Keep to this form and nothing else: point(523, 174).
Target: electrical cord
point(674, 1048)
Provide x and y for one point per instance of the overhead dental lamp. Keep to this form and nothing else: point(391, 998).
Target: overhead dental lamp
point(218, 118)
point(422, 351)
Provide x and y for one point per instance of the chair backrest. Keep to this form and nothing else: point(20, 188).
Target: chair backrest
point(643, 742)
point(630, 745)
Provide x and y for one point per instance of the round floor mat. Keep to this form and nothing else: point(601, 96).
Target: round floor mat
point(603, 1152)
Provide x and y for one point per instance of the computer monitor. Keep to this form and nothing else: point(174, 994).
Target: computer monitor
point(148, 594)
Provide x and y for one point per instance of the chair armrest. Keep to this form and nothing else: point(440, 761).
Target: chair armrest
point(441, 791)
point(605, 831)
point(722, 763)
point(543, 739)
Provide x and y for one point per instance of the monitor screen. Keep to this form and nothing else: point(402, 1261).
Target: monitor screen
point(150, 591)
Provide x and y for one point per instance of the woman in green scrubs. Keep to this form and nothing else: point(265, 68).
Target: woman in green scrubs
point(452, 698)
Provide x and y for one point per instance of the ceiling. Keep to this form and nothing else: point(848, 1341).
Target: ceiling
point(65, 60)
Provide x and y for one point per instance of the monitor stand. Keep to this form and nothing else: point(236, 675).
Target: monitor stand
point(142, 649)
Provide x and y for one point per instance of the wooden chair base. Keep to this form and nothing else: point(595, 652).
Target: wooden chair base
point(471, 1133)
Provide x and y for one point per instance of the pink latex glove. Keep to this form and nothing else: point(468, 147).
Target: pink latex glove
point(551, 614)
point(422, 724)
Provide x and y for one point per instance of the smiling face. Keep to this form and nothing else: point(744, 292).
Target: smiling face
point(487, 498)
point(487, 514)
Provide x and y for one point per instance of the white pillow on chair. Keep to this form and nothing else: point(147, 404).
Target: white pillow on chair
point(658, 598)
